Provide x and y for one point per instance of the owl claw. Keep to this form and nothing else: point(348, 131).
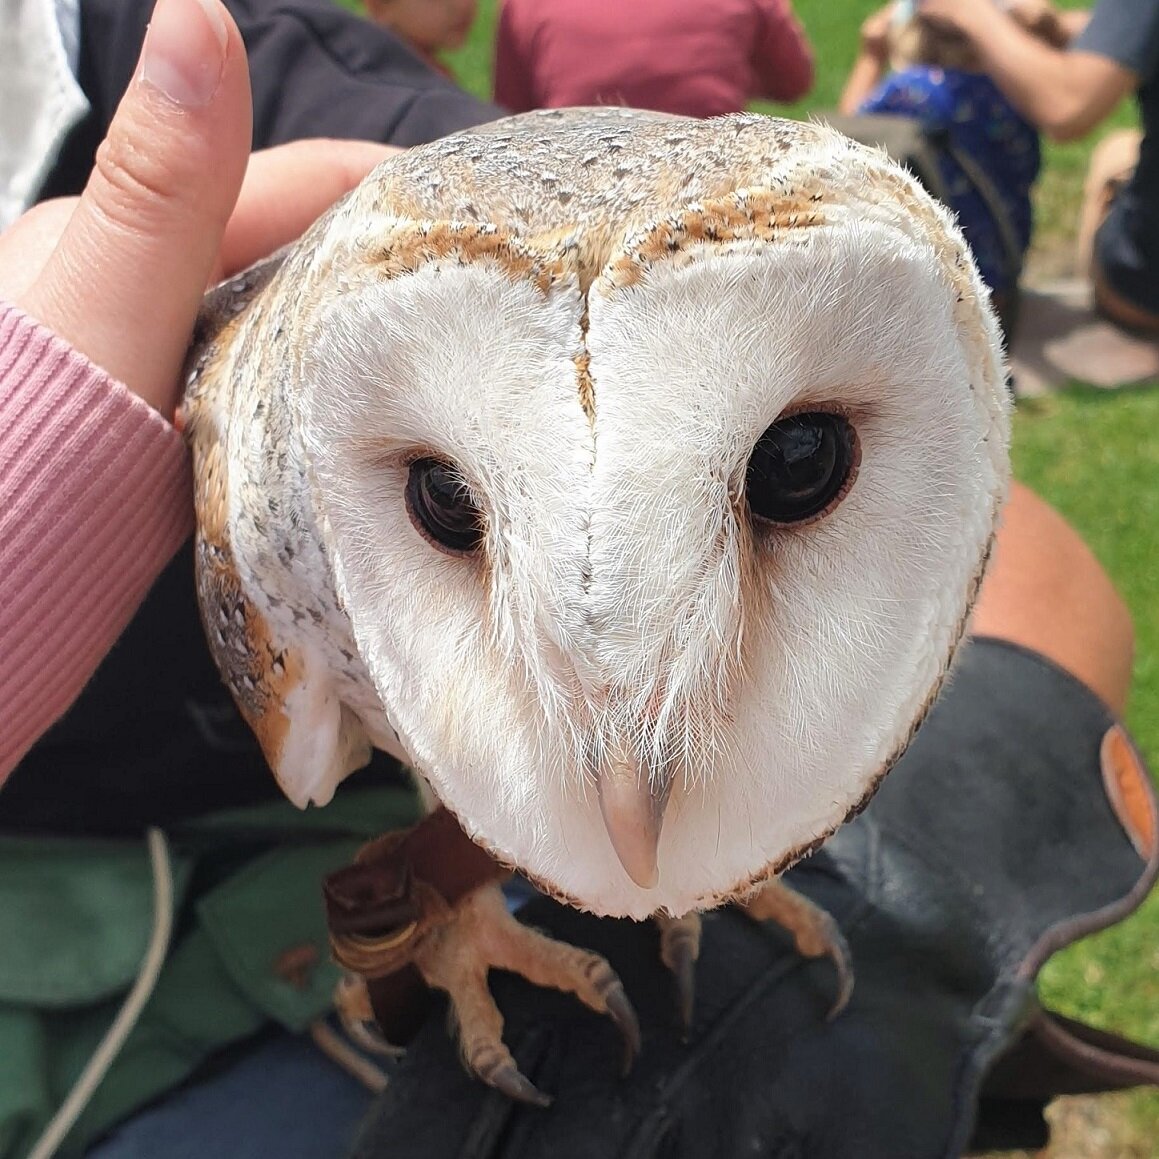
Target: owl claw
point(352, 1003)
point(679, 950)
point(814, 931)
point(480, 935)
point(685, 974)
point(838, 950)
point(622, 1013)
point(509, 1080)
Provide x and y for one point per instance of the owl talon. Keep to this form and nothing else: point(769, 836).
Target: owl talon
point(479, 935)
point(815, 933)
point(352, 1002)
point(679, 950)
point(838, 950)
point(622, 1013)
point(509, 1080)
point(685, 974)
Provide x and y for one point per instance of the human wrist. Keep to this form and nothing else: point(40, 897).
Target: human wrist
point(36, 348)
point(67, 328)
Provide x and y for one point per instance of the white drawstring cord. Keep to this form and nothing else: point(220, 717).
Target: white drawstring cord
point(105, 1054)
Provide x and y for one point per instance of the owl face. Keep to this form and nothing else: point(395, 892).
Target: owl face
point(656, 513)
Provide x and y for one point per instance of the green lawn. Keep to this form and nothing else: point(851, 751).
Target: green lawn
point(1096, 457)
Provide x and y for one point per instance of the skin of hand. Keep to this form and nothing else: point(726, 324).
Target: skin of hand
point(431, 25)
point(969, 17)
point(1072, 21)
point(871, 62)
point(875, 32)
point(174, 203)
point(1063, 93)
point(1042, 19)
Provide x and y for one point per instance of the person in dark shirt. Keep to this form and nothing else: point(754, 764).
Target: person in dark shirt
point(1067, 94)
point(317, 69)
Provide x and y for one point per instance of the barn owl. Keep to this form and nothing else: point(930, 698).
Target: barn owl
point(630, 478)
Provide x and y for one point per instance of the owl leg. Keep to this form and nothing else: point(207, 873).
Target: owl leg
point(482, 935)
point(814, 931)
point(679, 949)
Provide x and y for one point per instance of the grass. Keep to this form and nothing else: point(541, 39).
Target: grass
point(1095, 456)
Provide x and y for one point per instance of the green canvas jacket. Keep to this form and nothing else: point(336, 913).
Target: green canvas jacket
point(249, 949)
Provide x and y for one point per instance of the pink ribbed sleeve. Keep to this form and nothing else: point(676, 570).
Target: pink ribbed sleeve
point(94, 500)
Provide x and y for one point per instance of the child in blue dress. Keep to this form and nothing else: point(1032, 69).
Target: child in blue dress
point(908, 68)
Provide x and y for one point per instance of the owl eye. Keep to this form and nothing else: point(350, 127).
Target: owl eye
point(800, 466)
point(441, 506)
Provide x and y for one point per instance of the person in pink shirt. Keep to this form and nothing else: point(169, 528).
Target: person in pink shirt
point(699, 58)
point(97, 301)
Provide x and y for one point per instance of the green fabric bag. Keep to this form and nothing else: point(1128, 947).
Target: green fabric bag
point(76, 918)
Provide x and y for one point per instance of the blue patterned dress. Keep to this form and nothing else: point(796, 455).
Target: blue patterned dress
point(984, 125)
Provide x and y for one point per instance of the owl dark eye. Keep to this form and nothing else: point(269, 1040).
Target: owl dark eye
point(440, 504)
point(800, 466)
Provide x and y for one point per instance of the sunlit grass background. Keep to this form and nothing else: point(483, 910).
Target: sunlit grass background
point(1093, 454)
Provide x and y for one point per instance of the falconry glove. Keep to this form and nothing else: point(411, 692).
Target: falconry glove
point(1020, 819)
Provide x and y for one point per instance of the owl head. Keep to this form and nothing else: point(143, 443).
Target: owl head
point(651, 466)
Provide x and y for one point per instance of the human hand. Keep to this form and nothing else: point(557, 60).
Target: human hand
point(1040, 18)
point(875, 32)
point(119, 272)
point(965, 17)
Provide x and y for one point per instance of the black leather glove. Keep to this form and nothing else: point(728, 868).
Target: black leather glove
point(992, 843)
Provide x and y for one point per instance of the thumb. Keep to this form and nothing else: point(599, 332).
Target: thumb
point(124, 283)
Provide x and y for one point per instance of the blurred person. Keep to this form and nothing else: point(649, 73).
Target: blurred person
point(1067, 92)
point(991, 157)
point(427, 26)
point(699, 58)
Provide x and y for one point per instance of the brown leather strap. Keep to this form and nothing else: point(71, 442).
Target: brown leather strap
point(400, 887)
point(1057, 1055)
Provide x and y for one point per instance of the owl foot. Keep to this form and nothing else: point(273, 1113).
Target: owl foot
point(352, 1004)
point(814, 931)
point(480, 935)
point(679, 949)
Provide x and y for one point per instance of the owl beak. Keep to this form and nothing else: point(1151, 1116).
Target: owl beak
point(632, 803)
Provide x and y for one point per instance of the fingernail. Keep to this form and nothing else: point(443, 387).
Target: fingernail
point(184, 53)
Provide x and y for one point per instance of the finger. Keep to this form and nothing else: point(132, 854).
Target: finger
point(285, 189)
point(125, 282)
point(26, 245)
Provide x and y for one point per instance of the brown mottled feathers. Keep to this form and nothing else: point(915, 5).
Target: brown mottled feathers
point(255, 668)
point(294, 699)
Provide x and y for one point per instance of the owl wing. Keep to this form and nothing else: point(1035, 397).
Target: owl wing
point(282, 686)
